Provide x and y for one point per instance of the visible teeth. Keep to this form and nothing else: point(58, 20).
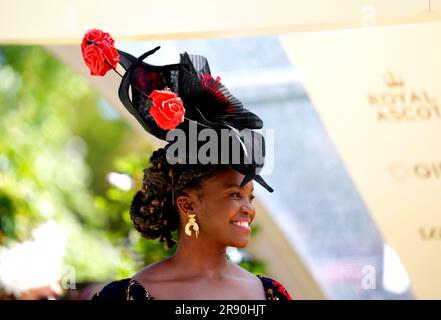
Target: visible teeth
point(241, 223)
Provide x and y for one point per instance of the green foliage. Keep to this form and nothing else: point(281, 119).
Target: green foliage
point(46, 157)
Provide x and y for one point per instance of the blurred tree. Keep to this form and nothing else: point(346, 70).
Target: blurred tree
point(50, 156)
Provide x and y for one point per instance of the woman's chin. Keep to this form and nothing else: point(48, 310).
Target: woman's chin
point(239, 244)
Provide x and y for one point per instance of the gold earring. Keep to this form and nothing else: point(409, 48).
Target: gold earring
point(192, 223)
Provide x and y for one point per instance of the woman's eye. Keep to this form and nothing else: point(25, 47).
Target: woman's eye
point(238, 195)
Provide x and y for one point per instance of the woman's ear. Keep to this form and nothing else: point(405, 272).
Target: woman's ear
point(184, 203)
point(188, 203)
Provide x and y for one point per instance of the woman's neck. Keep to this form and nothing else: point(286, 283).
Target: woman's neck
point(201, 258)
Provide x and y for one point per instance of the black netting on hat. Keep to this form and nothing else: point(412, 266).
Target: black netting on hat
point(207, 102)
point(199, 90)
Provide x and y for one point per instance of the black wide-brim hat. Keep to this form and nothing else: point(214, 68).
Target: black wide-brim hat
point(208, 104)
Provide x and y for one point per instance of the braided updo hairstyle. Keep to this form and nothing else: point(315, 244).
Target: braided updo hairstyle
point(152, 211)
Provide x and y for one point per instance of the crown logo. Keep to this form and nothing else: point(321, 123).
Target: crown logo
point(393, 81)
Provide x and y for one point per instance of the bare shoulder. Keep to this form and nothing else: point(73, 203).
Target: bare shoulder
point(244, 274)
point(249, 282)
point(155, 272)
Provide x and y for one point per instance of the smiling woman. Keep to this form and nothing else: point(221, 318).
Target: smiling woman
point(223, 213)
point(206, 196)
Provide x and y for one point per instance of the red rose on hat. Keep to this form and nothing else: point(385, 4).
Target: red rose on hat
point(99, 52)
point(167, 109)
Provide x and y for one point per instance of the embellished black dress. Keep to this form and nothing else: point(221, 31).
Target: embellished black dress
point(129, 289)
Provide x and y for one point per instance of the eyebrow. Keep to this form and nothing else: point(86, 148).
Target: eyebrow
point(233, 185)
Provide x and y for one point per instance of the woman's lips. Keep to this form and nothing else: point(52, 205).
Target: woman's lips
point(241, 225)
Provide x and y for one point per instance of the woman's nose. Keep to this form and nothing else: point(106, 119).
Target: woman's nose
point(248, 207)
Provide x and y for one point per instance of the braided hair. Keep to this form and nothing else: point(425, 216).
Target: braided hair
point(153, 211)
